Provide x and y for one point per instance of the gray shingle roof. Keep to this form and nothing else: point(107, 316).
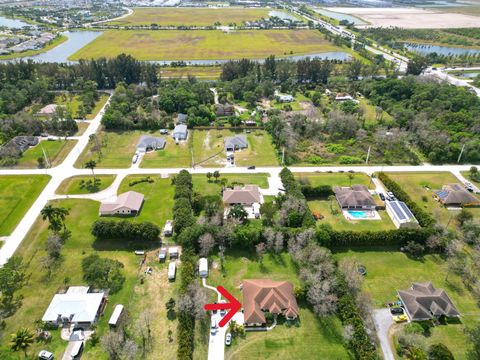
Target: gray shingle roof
point(455, 194)
point(236, 142)
point(247, 195)
point(424, 302)
point(356, 196)
point(148, 142)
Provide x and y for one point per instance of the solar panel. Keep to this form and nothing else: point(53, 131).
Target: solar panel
point(406, 210)
point(397, 210)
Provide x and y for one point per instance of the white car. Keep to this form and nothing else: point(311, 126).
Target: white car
point(468, 186)
point(223, 311)
point(213, 327)
point(228, 339)
point(135, 159)
point(45, 355)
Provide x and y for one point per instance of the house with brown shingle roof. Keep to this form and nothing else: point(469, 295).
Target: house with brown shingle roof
point(248, 196)
point(456, 195)
point(354, 197)
point(263, 295)
point(423, 302)
point(128, 203)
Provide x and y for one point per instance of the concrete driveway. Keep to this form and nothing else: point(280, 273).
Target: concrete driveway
point(383, 321)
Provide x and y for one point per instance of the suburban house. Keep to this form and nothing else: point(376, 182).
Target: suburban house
point(423, 302)
point(455, 195)
point(263, 295)
point(76, 306)
point(354, 197)
point(181, 119)
point(150, 143)
point(400, 214)
point(234, 143)
point(248, 196)
point(224, 110)
point(128, 203)
point(180, 132)
point(48, 110)
point(284, 98)
point(21, 143)
point(343, 97)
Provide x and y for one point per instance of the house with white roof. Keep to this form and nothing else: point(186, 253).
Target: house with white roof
point(76, 306)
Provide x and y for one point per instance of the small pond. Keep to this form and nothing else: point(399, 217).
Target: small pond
point(441, 50)
point(340, 16)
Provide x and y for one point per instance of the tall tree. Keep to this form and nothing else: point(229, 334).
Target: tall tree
point(91, 164)
point(21, 340)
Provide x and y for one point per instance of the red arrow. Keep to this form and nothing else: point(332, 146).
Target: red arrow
point(233, 304)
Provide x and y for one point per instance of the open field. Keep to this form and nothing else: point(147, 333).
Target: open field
point(334, 179)
point(172, 155)
point(200, 72)
point(158, 204)
point(117, 149)
point(17, 194)
point(72, 185)
point(203, 186)
point(135, 297)
point(72, 102)
point(207, 143)
point(415, 185)
point(205, 45)
point(190, 16)
point(322, 337)
point(389, 270)
point(410, 18)
point(56, 152)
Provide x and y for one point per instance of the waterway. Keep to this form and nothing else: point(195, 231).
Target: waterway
point(340, 16)
point(441, 50)
point(12, 23)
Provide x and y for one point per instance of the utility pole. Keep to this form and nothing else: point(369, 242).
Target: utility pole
point(461, 153)
point(368, 154)
point(45, 156)
point(283, 155)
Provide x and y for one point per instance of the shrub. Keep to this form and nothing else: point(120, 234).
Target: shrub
point(146, 179)
point(321, 191)
point(103, 273)
point(315, 159)
point(346, 159)
point(439, 352)
point(125, 230)
point(335, 148)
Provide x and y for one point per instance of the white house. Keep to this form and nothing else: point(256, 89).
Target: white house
point(76, 306)
point(203, 267)
point(128, 203)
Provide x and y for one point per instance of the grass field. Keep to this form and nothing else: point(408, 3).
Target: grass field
point(72, 102)
point(334, 179)
point(200, 72)
point(56, 152)
point(172, 156)
point(205, 187)
point(71, 185)
point(389, 270)
point(17, 194)
point(136, 297)
point(206, 143)
point(207, 45)
point(82, 126)
point(466, 175)
point(414, 184)
point(117, 149)
point(158, 201)
point(190, 16)
point(313, 338)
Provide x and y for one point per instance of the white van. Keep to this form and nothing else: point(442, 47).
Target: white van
point(172, 269)
point(77, 350)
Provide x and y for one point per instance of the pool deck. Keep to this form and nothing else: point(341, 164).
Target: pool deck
point(370, 215)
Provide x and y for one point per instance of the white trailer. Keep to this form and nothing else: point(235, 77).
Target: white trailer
point(172, 269)
point(117, 313)
point(168, 228)
point(203, 267)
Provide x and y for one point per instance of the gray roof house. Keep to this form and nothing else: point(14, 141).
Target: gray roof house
point(150, 143)
point(224, 110)
point(236, 142)
point(19, 144)
point(180, 132)
point(128, 203)
point(182, 118)
point(456, 195)
point(423, 302)
point(354, 197)
point(247, 195)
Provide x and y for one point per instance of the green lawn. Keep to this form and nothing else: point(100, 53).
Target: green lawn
point(172, 156)
point(207, 143)
point(98, 105)
point(117, 149)
point(56, 152)
point(71, 185)
point(389, 270)
point(72, 102)
point(158, 204)
point(190, 16)
point(205, 187)
point(208, 45)
point(82, 126)
point(334, 179)
point(466, 175)
point(17, 194)
point(319, 338)
point(370, 114)
point(200, 72)
point(136, 297)
point(414, 184)
point(296, 105)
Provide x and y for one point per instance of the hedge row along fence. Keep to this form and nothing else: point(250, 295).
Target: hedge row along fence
point(424, 219)
point(182, 208)
point(293, 188)
point(125, 230)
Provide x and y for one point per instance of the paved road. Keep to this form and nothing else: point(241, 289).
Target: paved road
point(383, 321)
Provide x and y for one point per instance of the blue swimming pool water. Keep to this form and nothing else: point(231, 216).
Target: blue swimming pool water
point(358, 214)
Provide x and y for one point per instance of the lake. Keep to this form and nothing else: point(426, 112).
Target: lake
point(12, 23)
point(340, 16)
point(441, 50)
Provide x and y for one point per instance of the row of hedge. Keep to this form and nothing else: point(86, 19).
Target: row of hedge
point(182, 208)
point(293, 188)
point(348, 312)
point(424, 218)
point(321, 191)
point(186, 321)
point(125, 230)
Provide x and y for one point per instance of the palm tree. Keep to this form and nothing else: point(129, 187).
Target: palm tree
point(331, 198)
point(55, 216)
point(350, 177)
point(21, 340)
point(92, 164)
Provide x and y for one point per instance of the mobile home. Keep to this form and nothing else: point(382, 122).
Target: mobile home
point(172, 269)
point(117, 313)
